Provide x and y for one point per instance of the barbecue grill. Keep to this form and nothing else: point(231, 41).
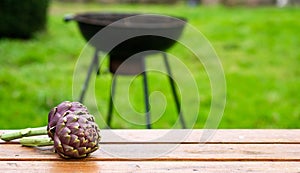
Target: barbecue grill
point(124, 35)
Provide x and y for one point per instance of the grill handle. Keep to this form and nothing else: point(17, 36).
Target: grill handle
point(68, 17)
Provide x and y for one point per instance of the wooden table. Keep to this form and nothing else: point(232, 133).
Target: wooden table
point(168, 151)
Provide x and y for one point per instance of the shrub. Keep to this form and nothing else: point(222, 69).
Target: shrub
point(21, 18)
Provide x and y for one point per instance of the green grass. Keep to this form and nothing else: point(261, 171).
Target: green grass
point(258, 48)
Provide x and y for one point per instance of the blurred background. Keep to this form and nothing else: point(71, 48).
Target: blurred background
point(257, 42)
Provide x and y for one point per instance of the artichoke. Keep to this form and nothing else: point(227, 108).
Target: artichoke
point(73, 130)
point(57, 112)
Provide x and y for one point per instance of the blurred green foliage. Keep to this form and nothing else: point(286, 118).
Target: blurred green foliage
point(20, 19)
point(258, 48)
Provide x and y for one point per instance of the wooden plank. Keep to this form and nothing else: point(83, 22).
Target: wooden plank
point(205, 152)
point(161, 151)
point(203, 136)
point(148, 166)
point(166, 152)
point(290, 136)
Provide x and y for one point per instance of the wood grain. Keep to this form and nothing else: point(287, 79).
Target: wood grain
point(202, 136)
point(168, 151)
point(148, 166)
point(290, 136)
point(183, 152)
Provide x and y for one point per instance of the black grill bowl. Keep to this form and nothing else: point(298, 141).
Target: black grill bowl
point(143, 32)
point(123, 35)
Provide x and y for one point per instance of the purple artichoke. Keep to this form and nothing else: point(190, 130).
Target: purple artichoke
point(57, 112)
point(73, 130)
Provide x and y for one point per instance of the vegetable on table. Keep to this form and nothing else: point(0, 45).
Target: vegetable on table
point(71, 129)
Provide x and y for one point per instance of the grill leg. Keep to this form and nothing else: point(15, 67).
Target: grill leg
point(172, 83)
point(110, 106)
point(146, 95)
point(94, 65)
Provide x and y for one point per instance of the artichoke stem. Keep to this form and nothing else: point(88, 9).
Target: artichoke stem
point(24, 133)
point(36, 142)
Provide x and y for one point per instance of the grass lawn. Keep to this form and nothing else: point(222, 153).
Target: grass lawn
point(258, 49)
